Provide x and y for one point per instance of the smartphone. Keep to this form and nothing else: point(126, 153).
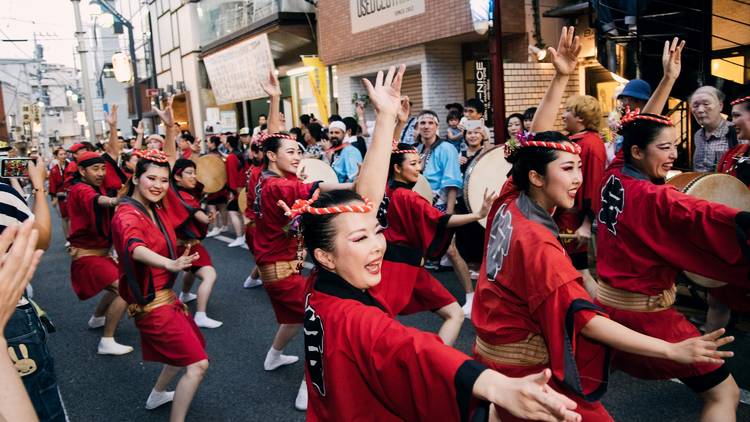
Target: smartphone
point(15, 167)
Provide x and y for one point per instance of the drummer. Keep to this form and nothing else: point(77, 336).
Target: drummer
point(416, 230)
point(190, 224)
point(439, 162)
point(235, 166)
point(476, 142)
point(217, 201)
point(664, 232)
point(582, 119)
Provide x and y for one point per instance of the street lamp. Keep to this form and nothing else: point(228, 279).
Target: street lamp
point(107, 9)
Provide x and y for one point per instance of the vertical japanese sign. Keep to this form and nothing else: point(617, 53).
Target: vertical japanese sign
point(483, 87)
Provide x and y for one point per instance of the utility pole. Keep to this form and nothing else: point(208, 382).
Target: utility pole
point(38, 58)
point(84, 71)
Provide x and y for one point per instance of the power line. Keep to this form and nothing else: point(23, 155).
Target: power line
point(15, 45)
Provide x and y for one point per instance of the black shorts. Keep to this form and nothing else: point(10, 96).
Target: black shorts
point(233, 205)
point(705, 382)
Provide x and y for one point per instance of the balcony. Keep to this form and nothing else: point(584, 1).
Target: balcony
point(223, 19)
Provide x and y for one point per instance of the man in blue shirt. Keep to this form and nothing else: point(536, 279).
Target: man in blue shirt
point(346, 158)
point(443, 172)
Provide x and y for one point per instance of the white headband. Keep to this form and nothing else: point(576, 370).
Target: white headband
point(338, 124)
point(427, 116)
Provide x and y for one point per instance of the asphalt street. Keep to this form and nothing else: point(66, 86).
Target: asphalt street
point(236, 388)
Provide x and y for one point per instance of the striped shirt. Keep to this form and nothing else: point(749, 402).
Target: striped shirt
point(13, 211)
point(710, 147)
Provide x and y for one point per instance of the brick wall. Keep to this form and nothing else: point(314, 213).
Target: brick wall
point(441, 19)
point(525, 84)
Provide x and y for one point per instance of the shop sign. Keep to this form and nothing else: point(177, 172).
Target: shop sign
point(236, 72)
point(483, 87)
point(368, 14)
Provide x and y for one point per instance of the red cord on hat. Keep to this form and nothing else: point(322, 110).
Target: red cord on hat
point(632, 116)
point(304, 206)
point(152, 155)
point(740, 100)
point(527, 141)
point(265, 136)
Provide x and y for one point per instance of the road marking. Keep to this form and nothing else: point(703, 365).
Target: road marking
point(744, 394)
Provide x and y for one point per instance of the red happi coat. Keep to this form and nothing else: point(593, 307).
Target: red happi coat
point(89, 229)
point(181, 206)
point(361, 364)
point(235, 173)
point(115, 177)
point(594, 161)
point(56, 186)
point(528, 287)
point(647, 234)
point(415, 230)
point(274, 241)
point(730, 163)
point(168, 334)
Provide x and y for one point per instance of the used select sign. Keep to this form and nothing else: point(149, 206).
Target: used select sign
point(368, 14)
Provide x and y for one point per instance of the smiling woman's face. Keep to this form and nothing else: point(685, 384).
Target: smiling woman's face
point(359, 245)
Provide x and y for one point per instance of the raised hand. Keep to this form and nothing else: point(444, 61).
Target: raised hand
point(359, 108)
point(17, 266)
point(488, 200)
point(671, 58)
point(703, 349)
point(386, 93)
point(404, 110)
point(111, 117)
point(565, 57)
point(166, 115)
point(139, 129)
point(271, 85)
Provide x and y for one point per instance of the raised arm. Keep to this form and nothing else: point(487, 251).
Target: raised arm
point(112, 147)
point(138, 136)
point(671, 60)
point(386, 99)
point(166, 116)
point(359, 108)
point(42, 218)
point(564, 59)
point(273, 89)
point(403, 117)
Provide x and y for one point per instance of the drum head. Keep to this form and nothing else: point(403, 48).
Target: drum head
point(313, 170)
point(488, 171)
point(422, 187)
point(242, 199)
point(210, 171)
point(715, 187)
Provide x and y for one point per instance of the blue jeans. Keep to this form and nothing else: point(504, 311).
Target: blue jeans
point(28, 340)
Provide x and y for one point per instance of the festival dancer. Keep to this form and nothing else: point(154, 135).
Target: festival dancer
point(582, 119)
point(278, 252)
point(93, 269)
point(664, 232)
point(190, 223)
point(236, 167)
point(56, 188)
point(530, 309)
point(415, 231)
point(147, 247)
point(252, 177)
point(354, 347)
point(217, 201)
